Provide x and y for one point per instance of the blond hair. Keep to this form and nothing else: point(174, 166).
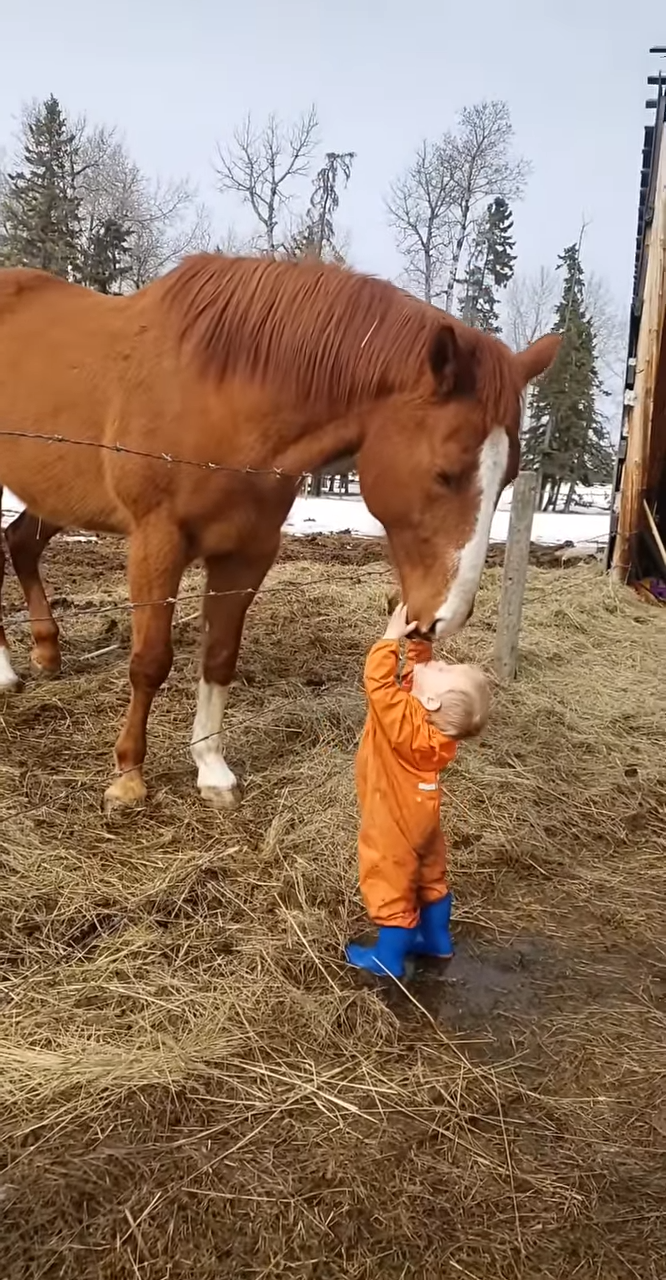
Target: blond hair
point(463, 711)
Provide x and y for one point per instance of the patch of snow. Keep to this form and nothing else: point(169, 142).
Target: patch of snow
point(587, 525)
point(332, 515)
point(595, 500)
point(11, 507)
point(581, 551)
point(555, 527)
point(350, 515)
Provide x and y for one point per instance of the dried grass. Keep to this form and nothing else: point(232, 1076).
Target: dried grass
point(191, 1083)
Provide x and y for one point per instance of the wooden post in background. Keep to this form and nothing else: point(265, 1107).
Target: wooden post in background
point(516, 562)
point(639, 426)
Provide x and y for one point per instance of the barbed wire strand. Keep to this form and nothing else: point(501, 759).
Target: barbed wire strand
point(351, 576)
point(99, 777)
point(69, 611)
point(171, 459)
point(132, 605)
point(168, 458)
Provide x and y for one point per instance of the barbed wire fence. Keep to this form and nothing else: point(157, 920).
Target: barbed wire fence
point(169, 458)
point(71, 609)
point(185, 746)
point(248, 470)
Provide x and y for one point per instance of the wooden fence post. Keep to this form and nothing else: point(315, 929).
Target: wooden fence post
point(516, 562)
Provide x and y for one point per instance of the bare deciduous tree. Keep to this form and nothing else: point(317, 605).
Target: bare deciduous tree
point(163, 218)
point(232, 244)
point(484, 168)
point(528, 312)
point(529, 307)
point(261, 166)
point(435, 206)
point(611, 329)
point(610, 326)
point(167, 223)
point(420, 207)
point(3, 190)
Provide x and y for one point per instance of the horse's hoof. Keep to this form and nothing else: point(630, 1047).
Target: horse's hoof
point(116, 807)
point(13, 685)
point(43, 673)
point(224, 799)
point(45, 663)
point(126, 792)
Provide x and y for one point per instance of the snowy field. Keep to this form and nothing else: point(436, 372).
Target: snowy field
point(582, 525)
point(586, 524)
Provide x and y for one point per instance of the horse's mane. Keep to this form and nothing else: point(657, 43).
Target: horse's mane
point(322, 333)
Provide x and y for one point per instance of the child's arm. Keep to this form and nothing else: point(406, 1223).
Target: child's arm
point(415, 741)
point(391, 702)
point(388, 699)
point(417, 651)
point(418, 743)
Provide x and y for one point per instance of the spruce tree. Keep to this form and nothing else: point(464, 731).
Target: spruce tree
point(566, 437)
point(40, 206)
point(491, 267)
point(107, 264)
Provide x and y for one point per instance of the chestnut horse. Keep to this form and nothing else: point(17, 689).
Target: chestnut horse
point(224, 381)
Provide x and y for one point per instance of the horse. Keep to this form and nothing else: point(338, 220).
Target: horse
point(184, 417)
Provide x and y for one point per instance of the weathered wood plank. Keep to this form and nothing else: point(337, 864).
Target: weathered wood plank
point(516, 562)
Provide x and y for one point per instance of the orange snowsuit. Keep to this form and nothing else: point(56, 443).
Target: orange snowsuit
point(401, 847)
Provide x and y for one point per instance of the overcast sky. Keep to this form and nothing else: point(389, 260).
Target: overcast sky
point(177, 75)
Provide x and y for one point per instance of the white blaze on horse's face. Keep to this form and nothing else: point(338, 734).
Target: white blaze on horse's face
point(456, 607)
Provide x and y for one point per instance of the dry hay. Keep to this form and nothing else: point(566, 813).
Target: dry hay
point(192, 1084)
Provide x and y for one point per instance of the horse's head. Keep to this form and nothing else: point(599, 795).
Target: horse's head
point(433, 471)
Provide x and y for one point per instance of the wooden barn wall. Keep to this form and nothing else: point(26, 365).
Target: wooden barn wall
point(645, 416)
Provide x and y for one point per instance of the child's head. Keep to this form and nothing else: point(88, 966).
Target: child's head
point(456, 695)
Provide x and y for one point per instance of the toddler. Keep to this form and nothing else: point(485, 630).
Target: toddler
point(410, 735)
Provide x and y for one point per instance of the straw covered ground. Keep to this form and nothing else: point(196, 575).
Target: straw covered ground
point(191, 1082)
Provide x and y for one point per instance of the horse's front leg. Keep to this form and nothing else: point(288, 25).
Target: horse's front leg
point(157, 558)
point(231, 583)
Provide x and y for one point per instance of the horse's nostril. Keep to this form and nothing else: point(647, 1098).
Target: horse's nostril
point(429, 633)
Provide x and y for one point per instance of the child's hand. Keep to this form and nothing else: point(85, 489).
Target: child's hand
point(398, 627)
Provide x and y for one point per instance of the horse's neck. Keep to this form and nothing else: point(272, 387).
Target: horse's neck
point(308, 446)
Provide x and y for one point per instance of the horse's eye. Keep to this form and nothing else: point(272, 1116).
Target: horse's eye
point(446, 480)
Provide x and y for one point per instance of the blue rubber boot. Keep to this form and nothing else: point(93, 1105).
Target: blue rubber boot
point(432, 935)
point(388, 953)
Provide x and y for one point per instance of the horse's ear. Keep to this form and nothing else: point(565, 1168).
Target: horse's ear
point(538, 357)
point(444, 358)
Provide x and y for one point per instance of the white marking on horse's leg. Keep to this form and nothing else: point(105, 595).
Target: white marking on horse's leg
point(455, 609)
point(215, 780)
point(8, 677)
